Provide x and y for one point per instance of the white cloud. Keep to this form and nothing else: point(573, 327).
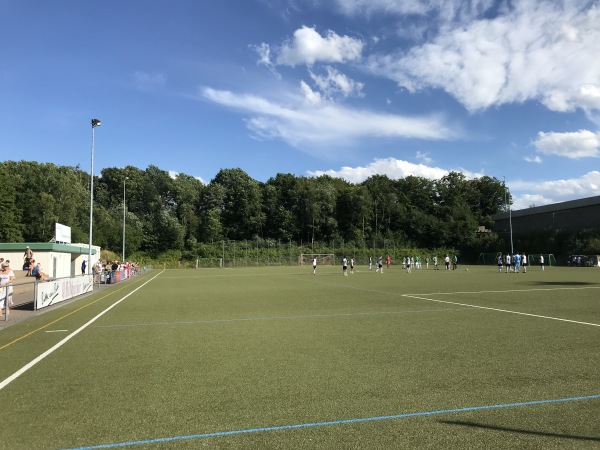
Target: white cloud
point(302, 124)
point(575, 145)
point(308, 47)
point(533, 159)
point(543, 50)
point(149, 81)
point(423, 157)
point(444, 8)
point(310, 96)
point(393, 168)
point(334, 83)
point(543, 192)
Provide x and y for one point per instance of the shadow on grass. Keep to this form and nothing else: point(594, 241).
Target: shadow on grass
point(560, 283)
point(516, 430)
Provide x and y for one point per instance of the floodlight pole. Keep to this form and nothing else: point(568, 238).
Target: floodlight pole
point(95, 123)
point(512, 250)
point(124, 209)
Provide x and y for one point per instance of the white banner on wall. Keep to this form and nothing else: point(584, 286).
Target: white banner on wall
point(56, 291)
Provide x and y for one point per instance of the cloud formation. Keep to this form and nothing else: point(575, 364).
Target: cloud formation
point(301, 123)
point(308, 47)
point(537, 50)
point(393, 168)
point(543, 192)
point(576, 145)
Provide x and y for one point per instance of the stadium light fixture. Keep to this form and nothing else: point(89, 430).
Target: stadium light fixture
point(95, 123)
point(124, 210)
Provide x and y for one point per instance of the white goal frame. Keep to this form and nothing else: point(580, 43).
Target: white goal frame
point(533, 259)
point(323, 259)
point(204, 263)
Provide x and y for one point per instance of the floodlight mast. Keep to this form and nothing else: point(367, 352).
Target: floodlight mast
point(124, 210)
point(95, 123)
point(512, 250)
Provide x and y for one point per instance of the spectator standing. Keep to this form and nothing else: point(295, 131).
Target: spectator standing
point(7, 277)
point(83, 267)
point(113, 271)
point(27, 257)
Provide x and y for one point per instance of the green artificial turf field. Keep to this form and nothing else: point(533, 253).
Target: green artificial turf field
point(276, 358)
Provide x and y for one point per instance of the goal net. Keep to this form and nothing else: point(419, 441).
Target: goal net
point(488, 258)
point(323, 259)
point(534, 259)
point(205, 263)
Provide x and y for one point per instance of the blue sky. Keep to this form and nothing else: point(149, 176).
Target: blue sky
point(351, 88)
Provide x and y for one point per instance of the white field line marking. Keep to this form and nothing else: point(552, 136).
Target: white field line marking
point(56, 331)
point(513, 290)
point(48, 352)
point(501, 310)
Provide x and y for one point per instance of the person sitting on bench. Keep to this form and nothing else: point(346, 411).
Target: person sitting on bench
point(38, 273)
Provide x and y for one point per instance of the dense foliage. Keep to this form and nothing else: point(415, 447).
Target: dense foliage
point(165, 213)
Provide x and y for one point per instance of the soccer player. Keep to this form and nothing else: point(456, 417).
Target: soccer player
point(314, 266)
point(351, 265)
point(508, 261)
point(435, 263)
point(500, 262)
point(524, 262)
point(542, 262)
point(517, 258)
point(379, 264)
point(345, 266)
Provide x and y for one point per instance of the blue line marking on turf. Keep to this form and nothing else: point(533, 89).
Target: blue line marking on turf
point(336, 422)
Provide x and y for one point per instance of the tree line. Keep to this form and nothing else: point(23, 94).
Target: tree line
point(165, 213)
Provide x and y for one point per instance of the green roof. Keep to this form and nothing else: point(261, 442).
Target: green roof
point(45, 247)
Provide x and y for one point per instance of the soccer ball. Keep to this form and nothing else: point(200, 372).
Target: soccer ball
point(466, 269)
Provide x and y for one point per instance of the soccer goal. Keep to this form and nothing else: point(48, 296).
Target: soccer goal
point(205, 263)
point(323, 259)
point(534, 259)
point(488, 258)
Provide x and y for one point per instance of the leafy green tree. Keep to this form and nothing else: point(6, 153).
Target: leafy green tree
point(11, 227)
point(211, 201)
point(187, 197)
point(242, 214)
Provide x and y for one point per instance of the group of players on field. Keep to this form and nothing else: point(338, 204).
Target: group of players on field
point(513, 263)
